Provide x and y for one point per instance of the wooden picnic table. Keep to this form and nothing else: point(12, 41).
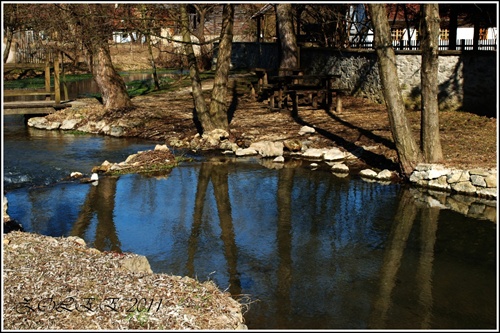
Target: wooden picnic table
point(315, 87)
point(262, 75)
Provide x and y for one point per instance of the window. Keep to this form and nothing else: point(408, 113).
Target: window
point(444, 34)
point(397, 34)
point(483, 34)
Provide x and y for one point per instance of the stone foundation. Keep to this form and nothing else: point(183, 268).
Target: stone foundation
point(477, 182)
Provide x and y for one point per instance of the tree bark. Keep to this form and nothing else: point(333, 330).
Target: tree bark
point(406, 147)
point(110, 83)
point(200, 106)
point(8, 41)
point(92, 18)
point(218, 105)
point(205, 60)
point(11, 22)
point(288, 40)
point(430, 142)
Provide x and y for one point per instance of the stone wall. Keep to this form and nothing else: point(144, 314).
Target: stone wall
point(475, 182)
point(467, 80)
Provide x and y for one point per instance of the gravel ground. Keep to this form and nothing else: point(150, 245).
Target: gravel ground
point(61, 284)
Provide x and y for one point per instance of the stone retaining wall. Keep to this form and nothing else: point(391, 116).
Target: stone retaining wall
point(475, 182)
point(467, 80)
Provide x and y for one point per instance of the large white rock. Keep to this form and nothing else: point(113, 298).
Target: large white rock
point(162, 148)
point(464, 187)
point(333, 154)
point(313, 153)
point(368, 173)
point(437, 171)
point(268, 148)
point(306, 130)
point(340, 167)
point(69, 124)
point(457, 176)
point(245, 152)
point(43, 123)
point(384, 175)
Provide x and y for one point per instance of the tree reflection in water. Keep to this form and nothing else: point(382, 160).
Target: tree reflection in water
point(217, 173)
point(316, 251)
point(99, 203)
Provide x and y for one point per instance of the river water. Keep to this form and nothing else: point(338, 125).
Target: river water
point(305, 249)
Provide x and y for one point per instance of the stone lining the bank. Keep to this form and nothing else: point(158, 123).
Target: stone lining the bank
point(475, 182)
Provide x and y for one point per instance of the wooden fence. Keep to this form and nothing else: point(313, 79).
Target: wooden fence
point(33, 55)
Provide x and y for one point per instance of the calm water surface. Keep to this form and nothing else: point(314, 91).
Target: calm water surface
point(306, 249)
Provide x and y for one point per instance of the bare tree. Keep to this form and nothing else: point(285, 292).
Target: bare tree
point(200, 105)
point(88, 27)
point(218, 105)
point(214, 117)
point(11, 23)
point(406, 147)
point(430, 142)
point(94, 23)
point(203, 11)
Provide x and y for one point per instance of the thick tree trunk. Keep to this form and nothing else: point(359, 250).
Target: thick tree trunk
point(288, 40)
point(218, 105)
point(200, 105)
point(407, 149)
point(430, 142)
point(110, 83)
point(8, 42)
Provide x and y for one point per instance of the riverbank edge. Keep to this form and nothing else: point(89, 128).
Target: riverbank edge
point(476, 186)
point(88, 271)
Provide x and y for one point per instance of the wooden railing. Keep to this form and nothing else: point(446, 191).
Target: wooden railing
point(52, 100)
point(461, 45)
point(32, 55)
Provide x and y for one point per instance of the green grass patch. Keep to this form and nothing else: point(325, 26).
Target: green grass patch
point(134, 88)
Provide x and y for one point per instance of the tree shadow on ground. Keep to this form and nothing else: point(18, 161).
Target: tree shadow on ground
point(370, 158)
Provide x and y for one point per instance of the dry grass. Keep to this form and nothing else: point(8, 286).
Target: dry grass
point(60, 284)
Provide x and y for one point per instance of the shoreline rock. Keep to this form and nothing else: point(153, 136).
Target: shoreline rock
point(475, 182)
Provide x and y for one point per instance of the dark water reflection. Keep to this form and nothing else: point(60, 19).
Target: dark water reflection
point(309, 249)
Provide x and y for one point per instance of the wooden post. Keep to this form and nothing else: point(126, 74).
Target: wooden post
point(338, 108)
point(57, 85)
point(47, 77)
